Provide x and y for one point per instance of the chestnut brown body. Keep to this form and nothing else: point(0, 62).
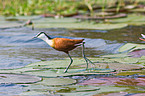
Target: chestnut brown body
point(65, 45)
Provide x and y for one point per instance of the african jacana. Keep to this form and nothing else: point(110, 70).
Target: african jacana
point(64, 44)
point(29, 22)
point(143, 37)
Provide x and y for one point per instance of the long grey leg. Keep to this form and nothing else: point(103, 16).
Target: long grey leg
point(83, 53)
point(69, 64)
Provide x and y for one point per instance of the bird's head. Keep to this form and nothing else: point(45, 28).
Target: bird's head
point(42, 35)
point(143, 37)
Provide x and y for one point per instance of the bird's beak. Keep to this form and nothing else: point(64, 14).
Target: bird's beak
point(143, 37)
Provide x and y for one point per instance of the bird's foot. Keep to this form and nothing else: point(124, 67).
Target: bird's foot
point(89, 61)
point(65, 71)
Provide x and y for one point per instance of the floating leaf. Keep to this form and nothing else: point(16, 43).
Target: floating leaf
point(71, 72)
point(56, 68)
point(101, 90)
point(117, 66)
point(138, 94)
point(127, 73)
point(115, 55)
point(71, 89)
point(137, 53)
point(127, 47)
point(56, 81)
point(18, 79)
point(10, 24)
point(19, 21)
point(132, 19)
point(114, 81)
point(131, 46)
point(72, 23)
point(112, 94)
point(126, 60)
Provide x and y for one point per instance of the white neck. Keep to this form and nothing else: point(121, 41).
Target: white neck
point(44, 38)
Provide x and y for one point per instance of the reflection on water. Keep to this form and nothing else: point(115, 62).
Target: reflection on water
point(17, 48)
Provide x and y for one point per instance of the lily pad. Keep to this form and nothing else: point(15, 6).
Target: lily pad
point(71, 89)
point(127, 73)
point(56, 68)
point(72, 23)
point(138, 94)
point(90, 93)
point(116, 55)
point(127, 47)
point(56, 81)
point(19, 21)
point(137, 53)
point(132, 19)
point(71, 72)
point(131, 46)
point(10, 24)
point(115, 81)
point(126, 60)
point(112, 94)
point(18, 79)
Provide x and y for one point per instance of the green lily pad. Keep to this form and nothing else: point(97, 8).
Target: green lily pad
point(56, 68)
point(131, 46)
point(127, 73)
point(116, 55)
point(72, 23)
point(132, 19)
point(125, 60)
point(120, 67)
point(18, 79)
point(55, 63)
point(56, 81)
point(92, 93)
point(71, 72)
point(138, 94)
point(71, 90)
point(127, 47)
point(19, 21)
point(112, 94)
point(10, 24)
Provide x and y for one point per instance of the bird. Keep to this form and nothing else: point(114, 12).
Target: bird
point(29, 22)
point(65, 45)
point(143, 37)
